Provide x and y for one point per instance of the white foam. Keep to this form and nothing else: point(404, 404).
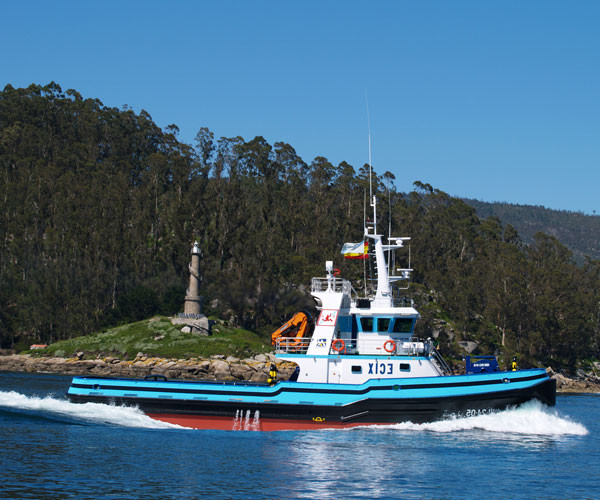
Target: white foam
point(61, 409)
point(531, 418)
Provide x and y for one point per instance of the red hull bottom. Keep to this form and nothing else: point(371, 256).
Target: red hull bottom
point(242, 424)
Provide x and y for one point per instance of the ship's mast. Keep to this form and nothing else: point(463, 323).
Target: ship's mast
point(383, 293)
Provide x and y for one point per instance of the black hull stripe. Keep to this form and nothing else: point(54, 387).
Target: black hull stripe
point(401, 386)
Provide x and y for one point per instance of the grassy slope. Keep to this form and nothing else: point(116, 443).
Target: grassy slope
point(157, 337)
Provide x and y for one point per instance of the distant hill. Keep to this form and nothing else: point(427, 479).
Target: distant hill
point(579, 232)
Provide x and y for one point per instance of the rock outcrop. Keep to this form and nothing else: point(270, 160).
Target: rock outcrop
point(583, 383)
point(215, 368)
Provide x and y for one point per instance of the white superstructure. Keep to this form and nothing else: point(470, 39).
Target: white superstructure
point(357, 339)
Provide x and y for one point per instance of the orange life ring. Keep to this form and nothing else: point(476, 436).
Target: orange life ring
point(336, 272)
point(338, 345)
point(392, 346)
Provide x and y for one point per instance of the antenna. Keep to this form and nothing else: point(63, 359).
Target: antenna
point(372, 200)
point(365, 226)
point(365, 210)
point(370, 164)
point(391, 253)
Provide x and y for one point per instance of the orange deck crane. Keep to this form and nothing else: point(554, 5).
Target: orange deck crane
point(296, 327)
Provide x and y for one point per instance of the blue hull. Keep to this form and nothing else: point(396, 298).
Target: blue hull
point(375, 401)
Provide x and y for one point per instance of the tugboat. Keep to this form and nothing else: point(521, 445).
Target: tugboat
point(362, 365)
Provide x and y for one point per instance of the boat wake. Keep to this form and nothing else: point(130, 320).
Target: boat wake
point(89, 413)
point(531, 418)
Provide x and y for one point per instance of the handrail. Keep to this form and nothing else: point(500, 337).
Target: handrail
point(402, 302)
point(369, 347)
point(292, 345)
point(387, 347)
point(438, 357)
point(331, 283)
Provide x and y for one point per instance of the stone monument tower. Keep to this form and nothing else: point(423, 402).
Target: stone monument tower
point(192, 298)
point(192, 317)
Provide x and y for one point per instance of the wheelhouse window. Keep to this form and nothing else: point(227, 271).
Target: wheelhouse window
point(403, 325)
point(366, 324)
point(383, 324)
point(354, 328)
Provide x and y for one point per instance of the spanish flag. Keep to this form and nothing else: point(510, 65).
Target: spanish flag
point(356, 250)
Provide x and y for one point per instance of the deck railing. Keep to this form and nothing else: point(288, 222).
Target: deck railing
point(402, 302)
point(337, 285)
point(292, 345)
point(376, 347)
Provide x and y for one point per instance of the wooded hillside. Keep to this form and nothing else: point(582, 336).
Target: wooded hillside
point(578, 231)
point(99, 208)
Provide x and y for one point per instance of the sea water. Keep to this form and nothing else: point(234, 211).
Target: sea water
point(52, 449)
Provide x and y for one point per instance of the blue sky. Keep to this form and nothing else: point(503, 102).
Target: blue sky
point(495, 100)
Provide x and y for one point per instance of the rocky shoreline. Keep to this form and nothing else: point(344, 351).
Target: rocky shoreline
point(583, 383)
point(216, 367)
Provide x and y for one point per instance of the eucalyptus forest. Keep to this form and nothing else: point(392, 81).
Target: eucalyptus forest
point(99, 208)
